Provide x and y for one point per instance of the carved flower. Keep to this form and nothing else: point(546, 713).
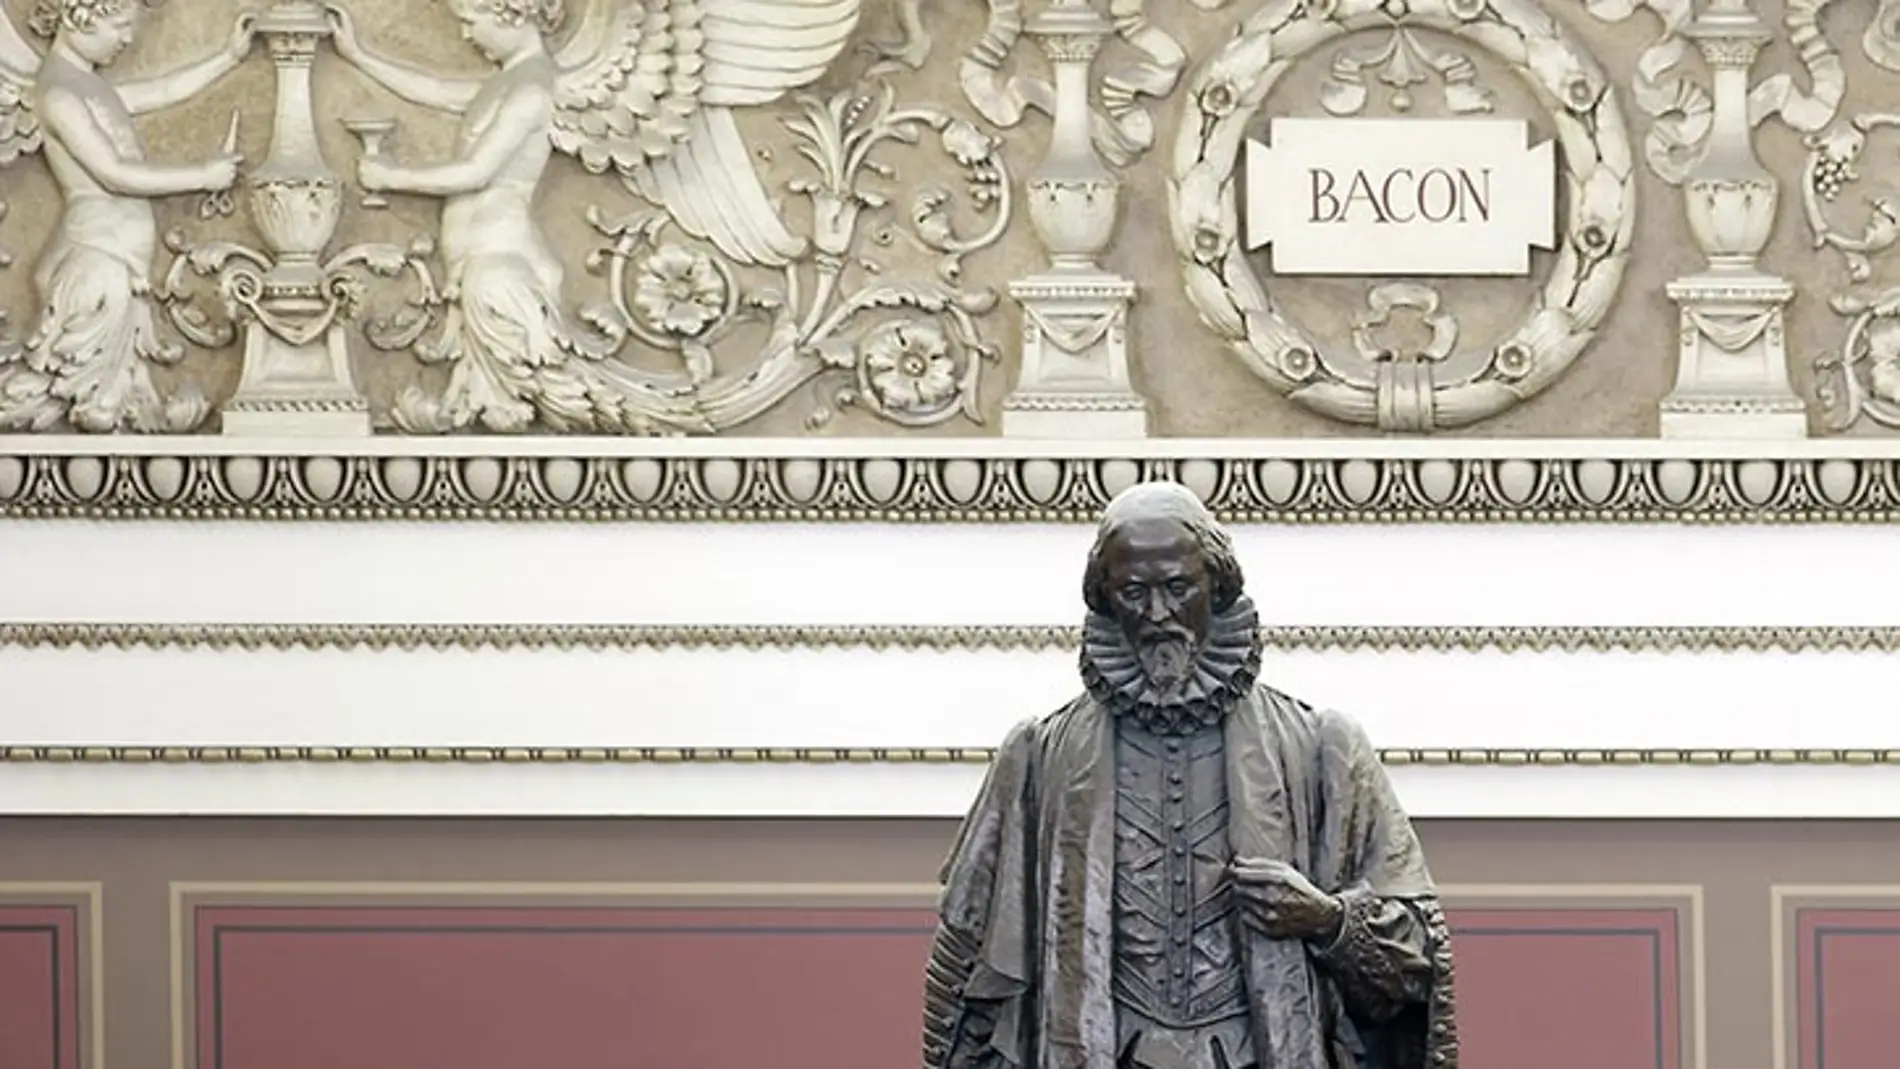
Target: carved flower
point(909, 365)
point(1580, 93)
point(1593, 239)
point(1514, 361)
point(1209, 244)
point(679, 291)
point(1298, 362)
point(966, 144)
point(1219, 99)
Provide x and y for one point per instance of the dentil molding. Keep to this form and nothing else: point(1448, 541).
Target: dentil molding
point(1447, 639)
point(1281, 481)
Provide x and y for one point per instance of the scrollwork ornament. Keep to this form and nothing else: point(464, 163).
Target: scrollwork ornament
point(912, 347)
point(1832, 165)
point(1468, 385)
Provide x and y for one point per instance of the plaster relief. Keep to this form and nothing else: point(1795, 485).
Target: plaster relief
point(961, 218)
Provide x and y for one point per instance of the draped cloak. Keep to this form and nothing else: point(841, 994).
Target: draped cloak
point(1021, 973)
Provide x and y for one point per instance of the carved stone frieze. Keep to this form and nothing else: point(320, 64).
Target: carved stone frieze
point(1347, 486)
point(922, 218)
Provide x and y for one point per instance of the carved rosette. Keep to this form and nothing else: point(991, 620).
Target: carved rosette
point(1471, 384)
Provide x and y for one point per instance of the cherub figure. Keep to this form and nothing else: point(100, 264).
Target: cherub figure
point(87, 357)
point(641, 89)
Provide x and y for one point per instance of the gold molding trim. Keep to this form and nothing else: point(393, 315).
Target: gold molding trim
point(954, 481)
point(945, 638)
point(1470, 757)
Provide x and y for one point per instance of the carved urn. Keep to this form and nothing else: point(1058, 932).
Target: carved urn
point(295, 198)
point(1073, 196)
point(1731, 197)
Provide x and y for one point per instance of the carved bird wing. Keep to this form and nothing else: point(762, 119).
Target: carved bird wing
point(19, 63)
point(647, 88)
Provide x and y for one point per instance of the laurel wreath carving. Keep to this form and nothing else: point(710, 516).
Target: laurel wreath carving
point(1597, 169)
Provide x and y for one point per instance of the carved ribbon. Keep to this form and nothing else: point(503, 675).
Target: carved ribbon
point(1122, 129)
point(1809, 111)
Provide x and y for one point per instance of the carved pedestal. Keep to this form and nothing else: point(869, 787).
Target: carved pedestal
point(297, 378)
point(1074, 377)
point(1732, 378)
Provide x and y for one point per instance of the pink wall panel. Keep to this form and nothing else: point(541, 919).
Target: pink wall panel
point(39, 987)
point(1568, 988)
point(500, 988)
point(1847, 972)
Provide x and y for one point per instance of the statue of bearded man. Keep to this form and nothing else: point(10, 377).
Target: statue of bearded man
point(1182, 868)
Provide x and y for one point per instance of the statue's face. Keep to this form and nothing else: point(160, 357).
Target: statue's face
point(110, 33)
point(487, 29)
point(1161, 594)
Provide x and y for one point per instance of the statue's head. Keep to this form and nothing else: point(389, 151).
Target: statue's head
point(497, 28)
point(1162, 570)
point(99, 30)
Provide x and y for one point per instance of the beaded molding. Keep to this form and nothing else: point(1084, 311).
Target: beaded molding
point(1532, 484)
point(1034, 638)
point(218, 755)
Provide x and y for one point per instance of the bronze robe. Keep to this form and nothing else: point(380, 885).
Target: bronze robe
point(1020, 975)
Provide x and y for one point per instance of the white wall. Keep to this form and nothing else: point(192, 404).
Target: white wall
point(176, 708)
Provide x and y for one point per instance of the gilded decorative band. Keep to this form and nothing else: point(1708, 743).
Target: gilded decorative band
point(945, 638)
point(1352, 487)
point(646, 755)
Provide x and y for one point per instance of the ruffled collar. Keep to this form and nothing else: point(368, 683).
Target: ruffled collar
point(1224, 671)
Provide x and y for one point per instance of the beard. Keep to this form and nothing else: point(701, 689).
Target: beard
point(1166, 679)
point(1167, 658)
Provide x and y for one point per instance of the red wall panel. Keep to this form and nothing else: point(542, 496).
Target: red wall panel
point(39, 987)
point(280, 987)
point(1847, 979)
point(499, 988)
point(1568, 988)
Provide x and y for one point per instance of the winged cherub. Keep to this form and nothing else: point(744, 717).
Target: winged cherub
point(642, 89)
point(86, 359)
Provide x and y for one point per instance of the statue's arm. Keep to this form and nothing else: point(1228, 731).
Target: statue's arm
point(69, 121)
point(146, 95)
point(428, 89)
point(957, 1028)
point(525, 115)
point(1382, 954)
point(163, 91)
point(417, 86)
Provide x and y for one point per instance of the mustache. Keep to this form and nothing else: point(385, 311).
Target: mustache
point(1159, 633)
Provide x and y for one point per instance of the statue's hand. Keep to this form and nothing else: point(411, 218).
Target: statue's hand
point(343, 32)
point(375, 175)
point(1278, 901)
point(219, 173)
point(243, 35)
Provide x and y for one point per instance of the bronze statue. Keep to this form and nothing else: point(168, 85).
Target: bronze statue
point(1182, 868)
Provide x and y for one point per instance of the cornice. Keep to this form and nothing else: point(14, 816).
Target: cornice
point(967, 482)
point(88, 754)
point(944, 638)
